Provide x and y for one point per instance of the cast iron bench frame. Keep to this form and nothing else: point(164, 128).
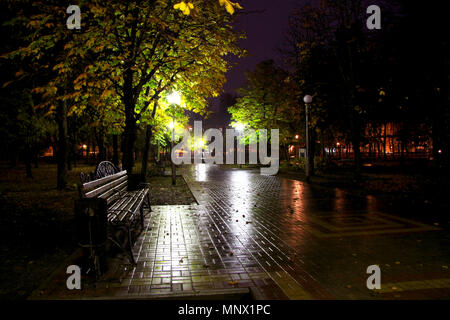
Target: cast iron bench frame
point(110, 212)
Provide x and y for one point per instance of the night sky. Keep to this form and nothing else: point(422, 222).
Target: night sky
point(265, 27)
point(265, 23)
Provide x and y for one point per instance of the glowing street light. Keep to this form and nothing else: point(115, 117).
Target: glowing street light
point(307, 99)
point(239, 127)
point(174, 98)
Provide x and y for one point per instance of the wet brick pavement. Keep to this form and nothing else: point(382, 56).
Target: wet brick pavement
point(281, 238)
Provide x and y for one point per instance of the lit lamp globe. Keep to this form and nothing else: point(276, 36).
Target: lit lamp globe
point(174, 98)
point(239, 127)
point(307, 99)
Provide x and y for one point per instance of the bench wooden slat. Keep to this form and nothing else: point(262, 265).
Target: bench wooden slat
point(112, 195)
point(129, 205)
point(123, 209)
point(89, 186)
point(105, 190)
point(134, 209)
point(122, 198)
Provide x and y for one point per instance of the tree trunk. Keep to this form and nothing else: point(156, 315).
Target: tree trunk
point(62, 146)
point(115, 142)
point(100, 138)
point(88, 151)
point(69, 153)
point(129, 134)
point(357, 153)
point(322, 143)
point(286, 153)
point(128, 141)
point(74, 149)
point(28, 156)
point(385, 140)
point(36, 154)
point(356, 140)
point(148, 137)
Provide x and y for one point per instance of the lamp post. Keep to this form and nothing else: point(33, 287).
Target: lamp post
point(174, 99)
point(307, 99)
point(239, 128)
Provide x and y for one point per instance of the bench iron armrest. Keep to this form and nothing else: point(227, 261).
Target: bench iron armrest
point(144, 184)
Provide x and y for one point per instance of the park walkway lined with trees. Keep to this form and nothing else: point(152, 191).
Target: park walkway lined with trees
point(111, 77)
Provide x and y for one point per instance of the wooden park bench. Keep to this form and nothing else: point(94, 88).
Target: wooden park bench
point(110, 212)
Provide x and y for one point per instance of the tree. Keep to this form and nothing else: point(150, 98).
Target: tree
point(124, 59)
point(267, 101)
point(147, 48)
point(38, 49)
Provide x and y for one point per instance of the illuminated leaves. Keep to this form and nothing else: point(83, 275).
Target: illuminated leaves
point(90, 69)
point(267, 101)
point(184, 7)
point(230, 6)
point(187, 7)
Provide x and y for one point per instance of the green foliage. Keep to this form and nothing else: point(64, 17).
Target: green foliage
point(268, 101)
point(117, 69)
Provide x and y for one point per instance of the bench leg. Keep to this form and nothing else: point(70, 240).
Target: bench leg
point(148, 202)
point(142, 217)
point(130, 247)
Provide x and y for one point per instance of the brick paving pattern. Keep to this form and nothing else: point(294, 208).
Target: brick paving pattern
point(281, 238)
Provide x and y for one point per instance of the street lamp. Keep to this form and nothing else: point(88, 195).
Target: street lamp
point(307, 99)
point(239, 127)
point(174, 99)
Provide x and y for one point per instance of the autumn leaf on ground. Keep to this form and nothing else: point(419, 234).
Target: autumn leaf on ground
point(181, 260)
